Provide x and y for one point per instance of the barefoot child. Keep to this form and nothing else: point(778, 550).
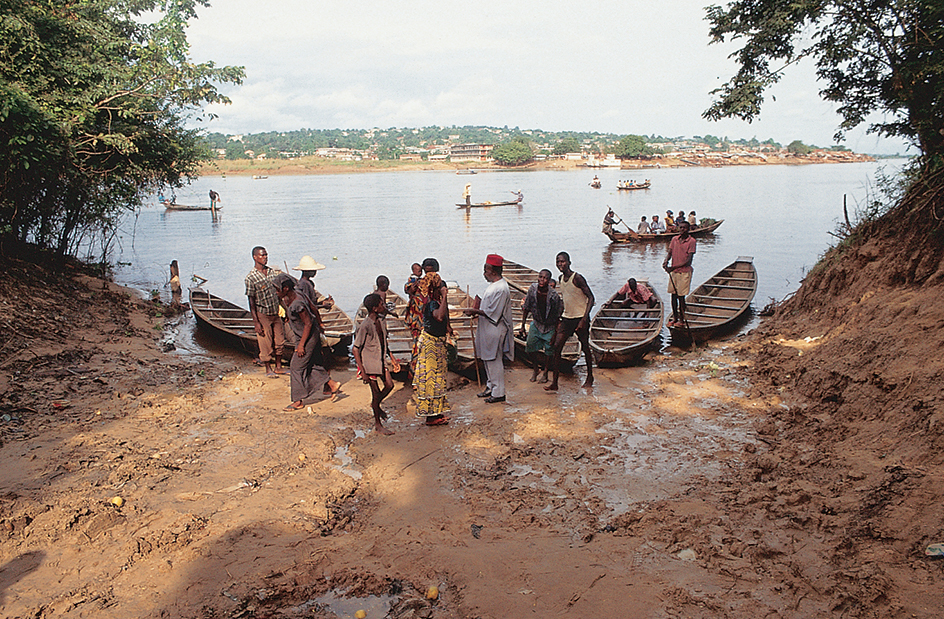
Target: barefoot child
point(370, 348)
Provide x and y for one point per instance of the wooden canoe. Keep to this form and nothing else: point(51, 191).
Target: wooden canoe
point(520, 278)
point(480, 204)
point(170, 206)
point(635, 237)
point(645, 185)
point(398, 333)
point(234, 325)
point(621, 336)
point(715, 306)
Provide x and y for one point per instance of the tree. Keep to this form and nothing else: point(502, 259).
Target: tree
point(632, 146)
point(568, 144)
point(516, 152)
point(885, 57)
point(797, 147)
point(93, 108)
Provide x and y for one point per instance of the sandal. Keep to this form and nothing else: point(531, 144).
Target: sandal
point(439, 421)
point(291, 407)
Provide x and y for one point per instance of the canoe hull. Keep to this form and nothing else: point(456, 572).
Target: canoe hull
point(635, 237)
point(620, 336)
point(720, 304)
point(184, 207)
point(483, 204)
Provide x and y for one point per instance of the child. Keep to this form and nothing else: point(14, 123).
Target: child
point(370, 348)
point(383, 285)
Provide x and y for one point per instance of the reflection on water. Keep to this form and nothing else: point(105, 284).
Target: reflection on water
point(363, 225)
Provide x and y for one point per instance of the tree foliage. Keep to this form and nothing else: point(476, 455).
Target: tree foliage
point(515, 152)
point(796, 147)
point(94, 99)
point(884, 56)
point(632, 146)
point(568, 144)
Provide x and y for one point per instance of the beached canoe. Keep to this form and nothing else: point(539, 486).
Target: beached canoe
point(479, 204)
point(628, 187)
point(620, 336)
point(171, 206)
point(634, 237)
point(233, 324)
point(717, 305)
point(398, 333)
point(520, 278)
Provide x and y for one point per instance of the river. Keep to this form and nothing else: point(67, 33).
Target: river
point(365, 224)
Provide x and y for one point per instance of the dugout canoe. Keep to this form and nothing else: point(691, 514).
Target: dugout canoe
point(398, 333)
point(621, 336)
point(170, 206)
point(520, 278)
point(233, 324)
point(719, 303)
point(628, 187)
point(480, 204)
point(634, 237)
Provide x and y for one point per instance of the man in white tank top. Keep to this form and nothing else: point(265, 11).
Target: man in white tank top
point(578, 300)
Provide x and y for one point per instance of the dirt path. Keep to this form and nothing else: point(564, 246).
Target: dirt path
point(661, 492)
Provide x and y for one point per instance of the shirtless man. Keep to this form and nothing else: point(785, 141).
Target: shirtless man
point(578, 300)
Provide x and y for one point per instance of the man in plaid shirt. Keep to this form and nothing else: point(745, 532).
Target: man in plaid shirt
point(264, 307)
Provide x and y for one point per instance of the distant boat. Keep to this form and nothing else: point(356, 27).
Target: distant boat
point(466, 172)
point(630, 186)
point(596, 184)
point(621, 336)
point(173, 206)
point(258, 177)
point(635, 237)
point(479, 204)
point(714, 306)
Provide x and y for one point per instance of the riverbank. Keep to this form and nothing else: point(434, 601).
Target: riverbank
point(790, 473)
point(321, 165)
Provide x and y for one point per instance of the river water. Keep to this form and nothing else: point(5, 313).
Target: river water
point(365, 224)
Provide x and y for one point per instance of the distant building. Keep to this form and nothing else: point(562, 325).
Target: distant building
point(470, 152)
point(411, 157)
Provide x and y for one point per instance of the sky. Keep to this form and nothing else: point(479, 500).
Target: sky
point(621, 66)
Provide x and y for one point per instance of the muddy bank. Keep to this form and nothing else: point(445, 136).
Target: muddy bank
point(139, 482)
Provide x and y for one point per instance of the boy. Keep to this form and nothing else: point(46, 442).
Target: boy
point(370, 348)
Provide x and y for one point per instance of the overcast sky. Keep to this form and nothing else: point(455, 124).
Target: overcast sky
point(620, 66)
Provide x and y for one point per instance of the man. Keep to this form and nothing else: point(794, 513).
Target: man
point(657, 227)
point(494, 338)
point(643, 227)
point(578, 300)
point(467, 194)
point(546, 306)
point(264, 307)
point(632, 293)
point(214, 200)
point(681, 252)
point(608, 220)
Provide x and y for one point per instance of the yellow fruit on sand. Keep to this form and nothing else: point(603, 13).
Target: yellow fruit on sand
point(432, 593)
point(117, 501)
point(360, 614)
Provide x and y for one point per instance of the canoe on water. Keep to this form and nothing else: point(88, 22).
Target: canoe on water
point(634, 237)
point(627, 186)
point(620, 336)
point(234, 325)
point(478, 204)
point(715, 306)
point(398, 333)
point(171, 206)
point(520, 278)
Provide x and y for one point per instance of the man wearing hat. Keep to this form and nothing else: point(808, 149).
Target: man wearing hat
point(494, 338)
point(264, 307)
point(306, 288)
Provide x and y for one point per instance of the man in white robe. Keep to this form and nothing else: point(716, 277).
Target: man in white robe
point(494, 338)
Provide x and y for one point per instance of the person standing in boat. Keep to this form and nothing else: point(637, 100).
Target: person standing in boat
point(308, 376)
point(643, 227)
point(467, 194)
point(214, 200)
point(681, 253)
point(578, 300)
point(545, 305)
point(264, 307)
point(494, 337)
point(608, 220)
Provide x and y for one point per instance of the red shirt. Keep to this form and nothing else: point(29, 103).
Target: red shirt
point(641, 295)
point(680, 251)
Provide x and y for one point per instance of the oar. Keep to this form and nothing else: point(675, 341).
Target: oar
point(475, 352)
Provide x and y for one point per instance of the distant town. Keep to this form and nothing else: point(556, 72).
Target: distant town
point(487, 146)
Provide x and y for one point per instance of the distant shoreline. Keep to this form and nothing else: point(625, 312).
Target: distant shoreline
point(320, 165)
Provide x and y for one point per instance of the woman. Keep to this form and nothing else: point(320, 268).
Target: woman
point(429, 378)
point(418, 289)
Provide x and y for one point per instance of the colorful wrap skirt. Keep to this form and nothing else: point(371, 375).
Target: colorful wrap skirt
point(429, 379)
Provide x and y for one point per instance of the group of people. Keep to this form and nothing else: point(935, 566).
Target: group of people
point(671, 223)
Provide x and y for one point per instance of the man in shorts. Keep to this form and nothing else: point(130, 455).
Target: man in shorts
point(681, 252)
point(545, 306)
point(578, 300)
